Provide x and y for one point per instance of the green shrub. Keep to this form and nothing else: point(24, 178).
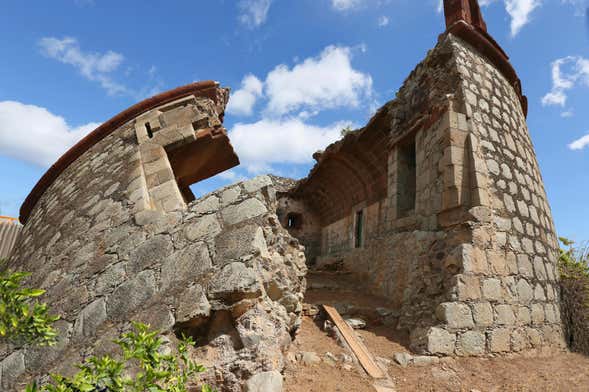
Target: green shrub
point(23, 319)
point(574, 287)
point(157, 372)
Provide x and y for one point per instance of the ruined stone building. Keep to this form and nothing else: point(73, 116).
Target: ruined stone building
point(437, 205)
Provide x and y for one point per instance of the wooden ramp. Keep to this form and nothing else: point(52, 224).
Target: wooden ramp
point(359, 349)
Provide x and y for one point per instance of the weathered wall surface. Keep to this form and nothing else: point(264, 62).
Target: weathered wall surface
point(466, 250)
point(221, 267)
point(506, 297)
point(9, 232)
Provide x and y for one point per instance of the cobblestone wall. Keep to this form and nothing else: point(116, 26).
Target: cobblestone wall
point(221, 267)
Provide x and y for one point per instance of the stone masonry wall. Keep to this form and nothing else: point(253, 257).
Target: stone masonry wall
point(506, 296)
point(472, 267)
point(221, 268)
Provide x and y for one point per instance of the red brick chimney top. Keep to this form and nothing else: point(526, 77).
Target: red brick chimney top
point(466, 10)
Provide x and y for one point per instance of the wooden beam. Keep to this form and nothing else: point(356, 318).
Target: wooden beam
point(359, 349)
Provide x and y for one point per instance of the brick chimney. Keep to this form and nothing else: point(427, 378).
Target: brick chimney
point(465, 10)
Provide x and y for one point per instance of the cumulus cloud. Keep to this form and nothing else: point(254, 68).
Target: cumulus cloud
point(383, 21)
point(520, 11)
point(580, 143)
point(93, 66)
point(243, 100)
point(253, 13)
point(291, 96)
point(267, 142)
point(567, 72)
point(33, 134)
point(324, 82)
point(344, 5)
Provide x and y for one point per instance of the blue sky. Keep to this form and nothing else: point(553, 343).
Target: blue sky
point(300, 71)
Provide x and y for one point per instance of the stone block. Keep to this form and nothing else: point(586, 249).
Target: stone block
point(192, 305)
point(474, 259)
point(245, 210)
point(233, 283)
point(257, 183)
point(206, 206)
point(534, 337)
point(90, 319)
point(550, 313)
point(525, 266)
point(538, 315)
point(511, 263)
point(230, 195)
point(523, 315)
point(264, 382)
point(440, 341)
point(519, 340)
point(153, 251)
point(504, 315)
point(205, 227)
point(131, 295)
point(500, 340)
point(471, 343)
point(497, 262)
point(190, 265)
point(492, 290)
point(539, 294)
point(247, 240)
point(525, 292)
point(11, 369)
point(482, 313)
point(468, 287)
point(539, 269)
point(456, 315)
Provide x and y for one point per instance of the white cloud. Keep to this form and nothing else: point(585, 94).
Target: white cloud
point(93, 66)
point(267, 142)
point(323, 82)
point(567, 73)
point(33, 134)
point(520, 11)
point(243, 100)
point(292, 96)
point(344, 5)
point(383, 21)
point(580, 143)
point(254, 12)
point(580, 6)
point(567, 114)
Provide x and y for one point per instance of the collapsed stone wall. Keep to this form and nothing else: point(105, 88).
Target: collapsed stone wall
point(221, 268)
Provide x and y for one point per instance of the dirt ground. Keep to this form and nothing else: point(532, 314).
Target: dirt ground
point(559, 372)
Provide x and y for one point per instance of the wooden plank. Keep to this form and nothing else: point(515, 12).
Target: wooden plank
point(359, 349)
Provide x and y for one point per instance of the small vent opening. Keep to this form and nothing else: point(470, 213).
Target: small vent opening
point(149, 131)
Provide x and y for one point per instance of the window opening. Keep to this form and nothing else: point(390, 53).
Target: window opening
point(407, 177)
point(294, 221)
point(359, 229)
point(149, 131)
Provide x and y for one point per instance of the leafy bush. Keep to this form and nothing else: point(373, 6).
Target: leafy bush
point(574, 284)
point(158, 372)
point(23, 319)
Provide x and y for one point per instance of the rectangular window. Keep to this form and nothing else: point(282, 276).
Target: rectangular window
point(358, 240)
point(407, 177)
